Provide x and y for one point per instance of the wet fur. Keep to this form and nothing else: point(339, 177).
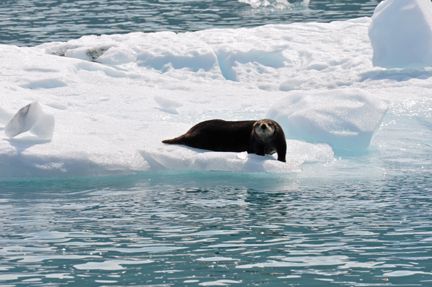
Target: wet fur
point(234, 136)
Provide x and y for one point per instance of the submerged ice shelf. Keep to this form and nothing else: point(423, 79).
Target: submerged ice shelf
point(116, 97)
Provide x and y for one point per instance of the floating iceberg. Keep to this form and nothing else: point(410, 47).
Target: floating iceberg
point(401, 34)
point(116, 97)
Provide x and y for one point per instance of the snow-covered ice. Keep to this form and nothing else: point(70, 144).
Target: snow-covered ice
point(114, 98)
point(401, 34)
point(343, 118)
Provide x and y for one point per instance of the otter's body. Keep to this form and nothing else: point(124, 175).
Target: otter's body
point(259, 137)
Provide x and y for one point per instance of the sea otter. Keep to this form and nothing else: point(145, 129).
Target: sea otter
point(260, 137)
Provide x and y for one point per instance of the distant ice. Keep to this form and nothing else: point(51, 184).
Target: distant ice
point(31, 118)
point(278, 4)
point(344, 119)
point(401, 34)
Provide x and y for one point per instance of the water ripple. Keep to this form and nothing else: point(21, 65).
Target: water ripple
point(202, 233)
point(31, 22)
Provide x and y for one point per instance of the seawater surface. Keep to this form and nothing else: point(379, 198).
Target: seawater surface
point(216, 229)
point(31, 22)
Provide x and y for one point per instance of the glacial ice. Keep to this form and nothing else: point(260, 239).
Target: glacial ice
point(401, 34)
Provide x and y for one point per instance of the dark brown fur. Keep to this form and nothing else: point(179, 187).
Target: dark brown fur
point(234, 136)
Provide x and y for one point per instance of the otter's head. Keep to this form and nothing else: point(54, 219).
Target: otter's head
point(264, 129)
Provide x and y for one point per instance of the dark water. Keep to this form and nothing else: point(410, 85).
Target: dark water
point(32, 22)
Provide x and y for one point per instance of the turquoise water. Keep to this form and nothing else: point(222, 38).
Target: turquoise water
point(31, 22)
point(210, 229)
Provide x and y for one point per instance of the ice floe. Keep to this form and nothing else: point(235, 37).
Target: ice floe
point(114, 98)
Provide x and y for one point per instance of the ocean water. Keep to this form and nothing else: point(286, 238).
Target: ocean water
point(216, 229)
point(30, 22)
point(362, 221)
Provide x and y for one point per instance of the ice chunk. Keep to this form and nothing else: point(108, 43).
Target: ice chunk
point(31, 118)
point(344, 119)
point(278, 4)
point(401, 34)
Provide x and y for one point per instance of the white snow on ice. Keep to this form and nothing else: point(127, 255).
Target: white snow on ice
point(344, 119)
point(114, 98)
point(401, 34)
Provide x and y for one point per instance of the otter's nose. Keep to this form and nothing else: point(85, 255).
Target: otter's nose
point(263, 127)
